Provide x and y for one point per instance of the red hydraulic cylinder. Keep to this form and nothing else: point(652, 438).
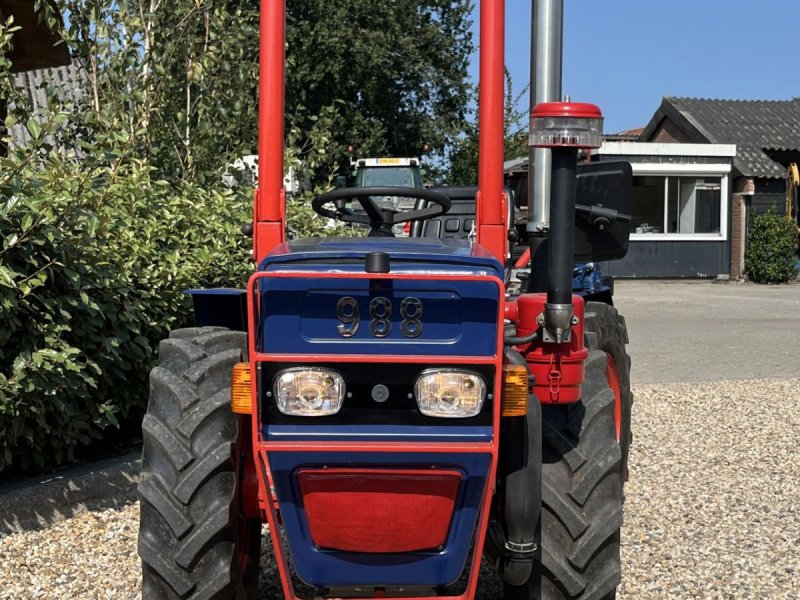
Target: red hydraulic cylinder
point(492, 229)
point(269, 210)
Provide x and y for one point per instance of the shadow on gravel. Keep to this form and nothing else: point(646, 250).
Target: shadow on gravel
point(36, 503)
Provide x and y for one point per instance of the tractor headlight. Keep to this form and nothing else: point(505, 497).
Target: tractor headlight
point(309, 392)
point(449, 393)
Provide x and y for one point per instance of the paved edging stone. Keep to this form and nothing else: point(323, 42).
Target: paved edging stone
point(37, 503)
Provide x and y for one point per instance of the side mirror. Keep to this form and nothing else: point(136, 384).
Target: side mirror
point(604, 196)
point(341, 182)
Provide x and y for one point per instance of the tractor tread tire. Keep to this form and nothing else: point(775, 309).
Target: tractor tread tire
point(188, 525)
point(606, 327)
point(583, 474)
point(580, 529)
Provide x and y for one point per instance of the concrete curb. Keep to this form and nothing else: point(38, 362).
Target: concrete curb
point(36, 503)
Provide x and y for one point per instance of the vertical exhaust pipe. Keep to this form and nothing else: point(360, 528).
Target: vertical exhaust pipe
point(546, 66)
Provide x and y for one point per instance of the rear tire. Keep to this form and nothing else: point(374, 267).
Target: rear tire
point(193, 540)
point(583, 473)
point(606, 330)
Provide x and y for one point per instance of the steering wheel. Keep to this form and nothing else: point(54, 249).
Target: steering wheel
point(379, 219)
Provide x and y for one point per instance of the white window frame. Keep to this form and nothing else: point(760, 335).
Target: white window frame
point(688, 170)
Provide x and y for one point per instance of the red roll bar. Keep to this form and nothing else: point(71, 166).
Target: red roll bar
point(491, 226)
point(270, 202)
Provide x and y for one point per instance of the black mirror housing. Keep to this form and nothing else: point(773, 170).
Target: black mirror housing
point(608, 188)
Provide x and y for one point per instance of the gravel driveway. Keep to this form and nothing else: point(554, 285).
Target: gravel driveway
point(712, 511)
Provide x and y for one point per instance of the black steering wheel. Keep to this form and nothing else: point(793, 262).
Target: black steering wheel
point(379, 219)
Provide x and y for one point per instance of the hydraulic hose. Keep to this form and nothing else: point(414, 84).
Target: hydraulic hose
point(522, 469)
point(520, 340)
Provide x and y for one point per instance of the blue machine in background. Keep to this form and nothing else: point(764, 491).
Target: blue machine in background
point(588, 280)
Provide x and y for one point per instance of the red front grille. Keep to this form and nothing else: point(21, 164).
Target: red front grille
point(364, 510)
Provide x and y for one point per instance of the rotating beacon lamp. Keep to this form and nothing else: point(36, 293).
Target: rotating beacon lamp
point(564, 127)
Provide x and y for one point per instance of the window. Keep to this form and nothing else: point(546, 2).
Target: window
point(679, 205)
point(648, 204)
point(388, 177)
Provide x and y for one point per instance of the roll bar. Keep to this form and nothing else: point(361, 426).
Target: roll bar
point(269, 212)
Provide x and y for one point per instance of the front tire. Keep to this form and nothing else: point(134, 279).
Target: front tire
point(193, 540)
point(583, 473)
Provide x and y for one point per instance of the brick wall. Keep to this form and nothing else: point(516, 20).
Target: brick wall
point(669, 133)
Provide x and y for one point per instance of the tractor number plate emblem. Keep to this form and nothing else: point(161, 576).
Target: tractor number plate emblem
point(380, 313)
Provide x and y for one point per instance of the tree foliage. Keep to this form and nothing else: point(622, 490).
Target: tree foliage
point(92, 267)
point(399, 68)
point(96, 248)
point(181, 77)
point(113, 208)
point(395, 76)
point(463, 155)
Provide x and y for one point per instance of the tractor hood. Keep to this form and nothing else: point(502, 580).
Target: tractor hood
point(406, 255)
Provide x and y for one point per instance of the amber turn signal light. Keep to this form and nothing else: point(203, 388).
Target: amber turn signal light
point(515, 391)
point(241, 392)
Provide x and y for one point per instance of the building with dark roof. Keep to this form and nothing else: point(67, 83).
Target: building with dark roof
point(680, 217)
point(766, 132)
point(767, 138)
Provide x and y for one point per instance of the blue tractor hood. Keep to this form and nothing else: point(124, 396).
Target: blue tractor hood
point(407, 255)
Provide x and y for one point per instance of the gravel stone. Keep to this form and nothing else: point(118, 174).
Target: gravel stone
point(712, 509)
point(713, 502)
point(92, 555)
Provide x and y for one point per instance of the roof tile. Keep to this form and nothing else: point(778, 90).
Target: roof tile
point(753, 125)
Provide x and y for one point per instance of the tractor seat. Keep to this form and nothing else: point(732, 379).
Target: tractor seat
point(456, 223)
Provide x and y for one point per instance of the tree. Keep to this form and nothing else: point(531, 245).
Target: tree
point(463, 156)
point(399, 68)
point(184, 74)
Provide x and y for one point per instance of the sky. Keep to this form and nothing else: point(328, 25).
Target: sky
point(625, 55)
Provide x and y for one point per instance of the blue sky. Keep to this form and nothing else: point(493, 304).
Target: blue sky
point(625, 55)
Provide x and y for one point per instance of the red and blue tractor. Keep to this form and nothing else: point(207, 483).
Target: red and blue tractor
point(388, 406)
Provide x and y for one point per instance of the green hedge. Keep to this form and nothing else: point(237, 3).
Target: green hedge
point(771, 255)
point(93, 262)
